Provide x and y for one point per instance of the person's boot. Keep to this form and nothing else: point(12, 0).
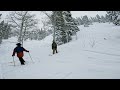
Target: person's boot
point(53, 51)
point(22, 63)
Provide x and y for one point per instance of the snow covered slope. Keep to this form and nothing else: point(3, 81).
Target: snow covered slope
point(95, 54)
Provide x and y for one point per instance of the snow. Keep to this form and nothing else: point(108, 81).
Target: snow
point(94, 55)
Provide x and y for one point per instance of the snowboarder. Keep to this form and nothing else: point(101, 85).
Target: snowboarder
point(54, 47)
point(19, 50)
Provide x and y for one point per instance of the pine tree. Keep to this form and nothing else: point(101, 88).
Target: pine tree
point(63, 25)
point(1, 31)
point(114, 17)
point(90, 21)
point(86, 21)
point(6, 31)
point(98, 18)
point(107, 18)
point(40, 34)
point(59, 24)
point(80, 22)
point(70, 25)
point(103, 19)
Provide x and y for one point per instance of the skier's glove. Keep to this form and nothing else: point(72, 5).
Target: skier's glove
point(27, 51)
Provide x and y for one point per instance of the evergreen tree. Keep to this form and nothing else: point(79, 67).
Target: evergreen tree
point(90, 21)
point(86, 21)
point(42, 34)
point(6, 31)
point(60, 33)
point(64, 26)
point(103, 19)
point(98, 18)
point(70, 25)
point(1, 31)
point(107, 18)
point(80, 22)
point(37, 34)
point(114, 17)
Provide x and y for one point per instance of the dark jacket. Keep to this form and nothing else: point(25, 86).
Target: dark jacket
point(19, 50)
point(54, 45)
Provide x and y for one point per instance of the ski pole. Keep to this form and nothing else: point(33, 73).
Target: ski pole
point(13, 61)
point(30, 57)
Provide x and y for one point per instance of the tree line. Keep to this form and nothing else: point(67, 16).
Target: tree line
point(111, 17)
point(61, 24)
point(5, 30)
point(84, 20)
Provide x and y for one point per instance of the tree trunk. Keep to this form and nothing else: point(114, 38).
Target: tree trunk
point(21, 30)
point(23, 36)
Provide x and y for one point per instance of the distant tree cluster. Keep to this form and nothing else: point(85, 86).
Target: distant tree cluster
point(37, 34)
point(5, 30)
point(84, 20)
point(114, 17)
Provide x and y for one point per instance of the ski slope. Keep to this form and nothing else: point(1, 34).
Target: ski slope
point(94, 55)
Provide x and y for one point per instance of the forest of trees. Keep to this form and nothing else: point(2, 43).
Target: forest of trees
point(84, 20)
point(111, 16)
point(61, 24)
point(23, 25)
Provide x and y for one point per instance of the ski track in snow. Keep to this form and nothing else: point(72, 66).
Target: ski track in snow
point(90, 56)
point(102, 53)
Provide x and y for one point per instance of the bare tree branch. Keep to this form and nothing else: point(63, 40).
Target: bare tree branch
point(15, 21)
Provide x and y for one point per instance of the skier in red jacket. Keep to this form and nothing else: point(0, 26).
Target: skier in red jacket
point(19, 50)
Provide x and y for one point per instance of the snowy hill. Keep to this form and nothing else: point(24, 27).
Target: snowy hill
point(95, 54)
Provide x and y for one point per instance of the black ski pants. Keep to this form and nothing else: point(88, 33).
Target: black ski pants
point(21, 60)
point(55, 50)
